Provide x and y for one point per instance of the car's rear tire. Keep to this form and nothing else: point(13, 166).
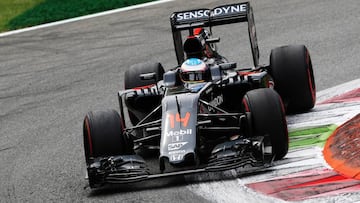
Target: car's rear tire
point(103, 135)
point(139, 107)
point(291, 68)
point(132, 75)
point(267, 117)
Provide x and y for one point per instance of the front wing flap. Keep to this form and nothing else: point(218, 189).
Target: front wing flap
point(242, 154)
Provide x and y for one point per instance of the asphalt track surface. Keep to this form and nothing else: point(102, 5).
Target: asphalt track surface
point(50, 78)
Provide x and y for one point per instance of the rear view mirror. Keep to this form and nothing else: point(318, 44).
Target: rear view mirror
point(148, 76)
point(171, 79)
point(227, 66)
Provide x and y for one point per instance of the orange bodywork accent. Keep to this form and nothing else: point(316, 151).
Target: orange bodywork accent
point(177, 118)
point(243, 73)
point(143, 87)
point(197, 31)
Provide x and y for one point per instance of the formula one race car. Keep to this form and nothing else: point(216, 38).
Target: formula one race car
point(206, 114)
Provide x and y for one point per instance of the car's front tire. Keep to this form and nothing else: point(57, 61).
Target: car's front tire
point(103, 136)
point(267, 118)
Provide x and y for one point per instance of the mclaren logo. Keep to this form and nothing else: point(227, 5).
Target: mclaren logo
point(216, 12)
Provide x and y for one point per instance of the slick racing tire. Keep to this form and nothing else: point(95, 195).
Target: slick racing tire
point(103, 135)
point(132, 75)
point(267, 118)
point(291, 68)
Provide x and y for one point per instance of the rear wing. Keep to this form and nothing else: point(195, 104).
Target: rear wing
point(221, 15)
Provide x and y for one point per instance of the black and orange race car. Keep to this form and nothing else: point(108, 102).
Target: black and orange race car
point(206, 113)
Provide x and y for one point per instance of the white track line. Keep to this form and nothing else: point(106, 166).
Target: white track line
point(84, 17)
point(337, 90)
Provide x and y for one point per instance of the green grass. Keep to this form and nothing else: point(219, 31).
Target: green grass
point(316, 136)
point(9, 9)
point(15, 14)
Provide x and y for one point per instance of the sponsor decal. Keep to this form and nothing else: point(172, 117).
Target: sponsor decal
point(178, 119)
point(216, 102)
point(176, 146)
point(219, 11)
point(178, 132)
point(177, 152)
point(177, 138)
point(209, 90)
point(177, 155)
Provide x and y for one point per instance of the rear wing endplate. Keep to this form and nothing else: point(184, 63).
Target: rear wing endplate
point(221, 15)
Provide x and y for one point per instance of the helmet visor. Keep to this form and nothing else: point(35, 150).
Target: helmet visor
point(193, 76)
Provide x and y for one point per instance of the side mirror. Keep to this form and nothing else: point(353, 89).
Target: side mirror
point(148, 76)
point(170, 79)
point(227, 66)
point(215, 73)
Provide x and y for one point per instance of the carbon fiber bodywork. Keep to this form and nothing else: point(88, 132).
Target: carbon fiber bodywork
point(197, 127)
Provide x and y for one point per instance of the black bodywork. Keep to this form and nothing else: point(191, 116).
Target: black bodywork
point(196, 127)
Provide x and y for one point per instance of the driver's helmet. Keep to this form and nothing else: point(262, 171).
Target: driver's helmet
point(194, 70)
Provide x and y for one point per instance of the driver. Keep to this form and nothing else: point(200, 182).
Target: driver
point(194, 70)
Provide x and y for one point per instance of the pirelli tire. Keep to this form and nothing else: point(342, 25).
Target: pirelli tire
point(103, 136)
point(267, 118)
point(292, 71)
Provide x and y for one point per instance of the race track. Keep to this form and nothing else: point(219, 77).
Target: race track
point(51, 77)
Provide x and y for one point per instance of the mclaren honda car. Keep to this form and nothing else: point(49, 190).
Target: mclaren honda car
point(204, 114)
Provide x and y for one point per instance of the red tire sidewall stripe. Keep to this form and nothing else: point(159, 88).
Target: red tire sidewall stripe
point(312, 90)
point(284, 118)
point(87, 126)
point(246, 105)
